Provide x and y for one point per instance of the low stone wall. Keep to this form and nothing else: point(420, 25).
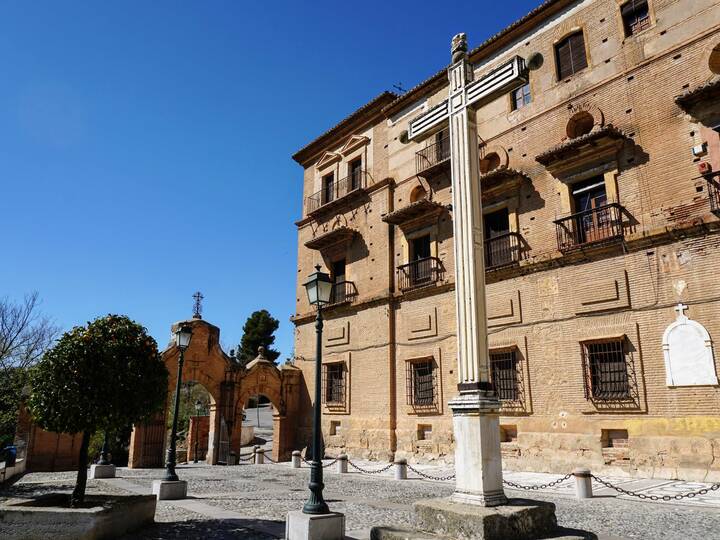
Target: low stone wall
point(8, 473)
point(113, 516)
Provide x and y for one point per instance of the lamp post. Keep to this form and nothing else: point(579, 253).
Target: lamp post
point(198, 406)
point(104, 451)
point(319, 288)
point(182, 340)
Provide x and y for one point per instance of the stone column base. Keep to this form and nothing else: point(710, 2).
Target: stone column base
point(520, 519)
point(169, 490)
point(300, 526)
point(102, 471)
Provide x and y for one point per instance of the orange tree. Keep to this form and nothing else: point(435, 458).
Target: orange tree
point(103, 376)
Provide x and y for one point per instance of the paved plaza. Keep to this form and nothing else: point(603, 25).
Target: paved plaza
point(251, 501)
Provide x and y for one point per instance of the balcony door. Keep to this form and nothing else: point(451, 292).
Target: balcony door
point(355, 172)
point(338, 276)
point(421, 269)
point(592, 218)
point(328, 188)
point(498, 249)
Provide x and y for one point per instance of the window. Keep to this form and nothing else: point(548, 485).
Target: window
point(339, 292)
point(570, 55)
point(503, 367)
point(489, 162)
point(334, 393)
point(594, 219)
point(606, 373)
point(521, 97)
point(355, 173)
point(420, 387)
point(635, 16)
point(424, 432)
point(442, 146)
point(328, 188)
point(500, 246)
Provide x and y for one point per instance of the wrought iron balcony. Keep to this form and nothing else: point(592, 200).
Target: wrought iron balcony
point(599, 225)
point(502, 250)
point(343, 292)
point(420, 273)
point(713, 183)
point(336, 191)
point(432, 156)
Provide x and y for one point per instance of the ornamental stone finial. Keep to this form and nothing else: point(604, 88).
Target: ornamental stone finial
point(261, 352)
point(459, 47)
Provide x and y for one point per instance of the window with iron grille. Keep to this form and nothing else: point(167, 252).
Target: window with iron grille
point(334, 383)
point(635, 16)
point(606, 370)
point(504, 373)
point(570, 55)
point(421, 386)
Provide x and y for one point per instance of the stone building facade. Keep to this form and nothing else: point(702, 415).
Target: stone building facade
point(600, 204)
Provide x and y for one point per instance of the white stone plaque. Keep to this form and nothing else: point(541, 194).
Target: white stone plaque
point(688, 352)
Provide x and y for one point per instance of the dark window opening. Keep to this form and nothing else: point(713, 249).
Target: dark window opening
point(420, 248)
point(422, 383)
point(334, 383)
point(606, 370)
point(328, 185)
point(521, 97)
point(355, 172)
point(503, 366)
point(635, 16)
point(570, 55)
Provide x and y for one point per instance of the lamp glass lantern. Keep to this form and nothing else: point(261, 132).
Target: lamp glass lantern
point(319, 288)
point(183, 335)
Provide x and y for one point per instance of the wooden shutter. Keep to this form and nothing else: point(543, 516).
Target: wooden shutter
point(570, 54)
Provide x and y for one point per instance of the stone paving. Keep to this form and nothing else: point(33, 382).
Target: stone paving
point(251, 501)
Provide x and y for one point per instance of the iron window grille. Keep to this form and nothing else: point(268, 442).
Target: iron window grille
point(607, 377)
point(505, 371)
point(713, 184)
point(334, 383)
point(421, 383)
point(635, 16)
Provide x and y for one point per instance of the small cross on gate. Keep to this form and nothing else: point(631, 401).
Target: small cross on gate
point(680, 308)
point(197, 305)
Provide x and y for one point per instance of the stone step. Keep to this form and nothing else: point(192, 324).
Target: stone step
point(399, 533)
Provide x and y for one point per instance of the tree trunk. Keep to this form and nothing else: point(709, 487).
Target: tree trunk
point(78, 494)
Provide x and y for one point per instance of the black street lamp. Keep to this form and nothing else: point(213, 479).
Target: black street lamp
point(196, 435)
point(318, 287)
point(182, 340)
point(104, 460)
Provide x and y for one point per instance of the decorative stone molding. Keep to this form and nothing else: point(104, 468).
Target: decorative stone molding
point(328, 158)
point(687, 347)
point(353, 143)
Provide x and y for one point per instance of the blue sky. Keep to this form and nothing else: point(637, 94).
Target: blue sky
point(145, 146)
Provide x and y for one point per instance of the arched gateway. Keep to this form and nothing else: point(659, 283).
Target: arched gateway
point(229, 386)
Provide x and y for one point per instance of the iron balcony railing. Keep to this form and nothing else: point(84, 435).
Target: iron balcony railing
point(713, 183)
point(432, 155)
point(419, 273)
point(336, 190)
point(343, 292)
point(600, 224)
point(502, 250)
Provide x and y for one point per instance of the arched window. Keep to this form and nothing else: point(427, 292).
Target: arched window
point(580, 123)
point(418, 194)
point(489, 163)
point(714, 61)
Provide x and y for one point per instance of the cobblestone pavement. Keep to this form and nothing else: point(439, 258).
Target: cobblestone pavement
point(251, 502)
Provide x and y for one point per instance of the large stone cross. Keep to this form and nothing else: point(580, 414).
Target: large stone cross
point(478, 464)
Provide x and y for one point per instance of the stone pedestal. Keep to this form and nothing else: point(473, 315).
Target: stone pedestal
point(169, 490)
point(102, 471)
point(301, 526)
point(478, 462)
point(519, 519)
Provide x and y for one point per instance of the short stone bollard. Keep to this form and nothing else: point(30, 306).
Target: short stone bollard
point(259, 456)
point(583, 483)
point(400, 469)
point(296, 459)
point(342, 464)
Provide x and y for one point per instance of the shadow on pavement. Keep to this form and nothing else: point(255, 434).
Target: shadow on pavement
point(248, 529)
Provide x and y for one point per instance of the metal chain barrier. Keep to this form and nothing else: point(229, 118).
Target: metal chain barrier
point(539, 486)
point(429, 476)
point(366, 471)
point(335, 460)
point(679, 496)
point(246, 457)
point(271, 460)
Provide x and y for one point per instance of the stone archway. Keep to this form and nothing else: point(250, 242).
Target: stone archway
point(229, 386)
